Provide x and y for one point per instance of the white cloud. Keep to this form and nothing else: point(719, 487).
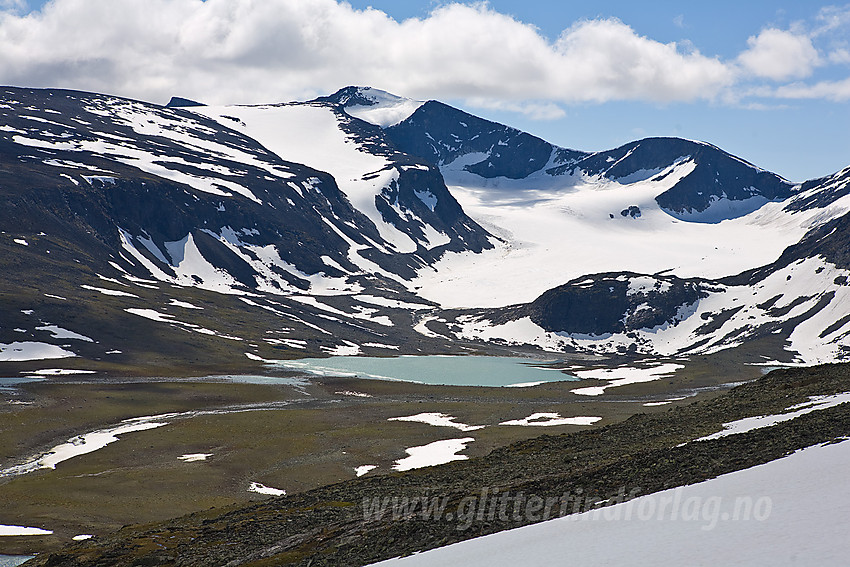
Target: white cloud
point(250, 51)
point(534, 110)
point(838, 91)
point(605, 60)
point(780, 55)
point(271, 50)
point(840, 56)
point(831, 18)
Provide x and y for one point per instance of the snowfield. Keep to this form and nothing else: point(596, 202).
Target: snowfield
point(263, 489)
point(311, 135)
point(22, 531)
point(792, 511)
point(84, 444)
point(437, 420)
point(555, 229)
point(549, 419)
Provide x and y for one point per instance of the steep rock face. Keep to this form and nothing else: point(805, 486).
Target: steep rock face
point(441, 134)
point(160, 183)
point(144, 177)
point(613, 303)
point(418, 190)
point(352, 96)
point(822, 192)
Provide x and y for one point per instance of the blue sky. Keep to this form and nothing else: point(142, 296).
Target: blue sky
point(797, 139)
point(767, 81)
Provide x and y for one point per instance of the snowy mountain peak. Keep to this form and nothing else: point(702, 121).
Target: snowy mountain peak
point(362, 96)
point(373, 105)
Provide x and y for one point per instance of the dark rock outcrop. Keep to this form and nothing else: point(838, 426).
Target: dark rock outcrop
point(613, 303)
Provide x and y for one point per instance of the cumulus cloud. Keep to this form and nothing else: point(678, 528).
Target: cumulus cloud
point(605, 59)
point(780, 55)
point(270, 50)
point(254, 51)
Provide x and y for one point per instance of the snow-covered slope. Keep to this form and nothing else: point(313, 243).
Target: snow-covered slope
point(800, 299)
point(659, 204)
point(388, 206)
point(771, 514)
point(589, 225)
point(369, 173)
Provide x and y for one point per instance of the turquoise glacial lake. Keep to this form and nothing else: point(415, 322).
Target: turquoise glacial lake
point(437, 370)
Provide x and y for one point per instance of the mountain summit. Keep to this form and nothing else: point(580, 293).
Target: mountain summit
point(373, 105)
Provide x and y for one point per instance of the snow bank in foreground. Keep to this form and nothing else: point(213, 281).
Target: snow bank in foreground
point(792, 521)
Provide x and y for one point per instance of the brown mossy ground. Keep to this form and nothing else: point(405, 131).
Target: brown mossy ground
point(326, 525)
point(292, 438)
